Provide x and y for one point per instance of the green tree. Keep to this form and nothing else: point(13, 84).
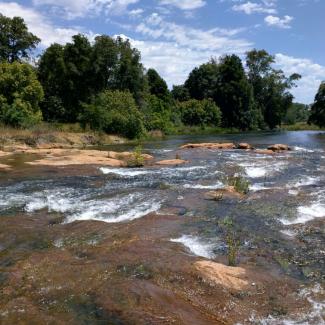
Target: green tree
point(113, 112)
point(234, 95)
point(202, 81)
point(157, 114)
point(157, 85)
point(200, 112)
point(128, 72)
point(296, 113)
point(271, 87)
point(180, 93)
point(20, 95)
point(16, 41)
point(317, 116)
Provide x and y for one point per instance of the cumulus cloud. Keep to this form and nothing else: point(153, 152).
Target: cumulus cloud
point(312, 75)
point(252, 7)
point(38, 24)
point(184, 4)
point(279, 22)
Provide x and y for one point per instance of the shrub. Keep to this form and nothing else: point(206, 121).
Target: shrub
point(240, 184)
point(200, 112)
point(113, 112)
point(136, 159)
point(20, 95)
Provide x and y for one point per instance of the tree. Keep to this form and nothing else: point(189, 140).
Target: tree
point(296, 113)
point(234, 95)
point(202, 81)
point(113, 112)
point(180, 93)
point(200, 112)
point(318, 108)
point(128, 72)
point(67, 77)
point(157, 85)
point(20, 95)
point(271, 87)
point(16, 41)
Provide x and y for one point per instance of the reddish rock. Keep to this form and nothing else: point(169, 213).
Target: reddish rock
point(279, 147)
point(209, 146)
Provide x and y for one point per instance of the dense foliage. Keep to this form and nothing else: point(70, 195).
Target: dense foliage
point(15, 40)
point(103, 85)
point(318, 108)
point(20, 94)
point(113, 112)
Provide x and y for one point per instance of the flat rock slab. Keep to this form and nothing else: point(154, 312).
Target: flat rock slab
point(223, 275)
point(171, 162)
point(209, 146)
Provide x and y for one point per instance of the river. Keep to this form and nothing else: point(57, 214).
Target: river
point(279, 223)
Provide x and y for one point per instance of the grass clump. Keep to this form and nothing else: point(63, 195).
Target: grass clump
point(238, 182)
point(136, 159)
point(231, 240)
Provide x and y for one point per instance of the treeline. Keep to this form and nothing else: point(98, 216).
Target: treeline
point(104, 86)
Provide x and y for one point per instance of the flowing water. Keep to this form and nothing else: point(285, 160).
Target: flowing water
point(283, 213)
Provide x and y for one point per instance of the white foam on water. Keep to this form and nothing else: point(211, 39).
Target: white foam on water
point(288, 232)
point(306, 181)
point(259, 187)
point(196, 246)
point(118, 209)
point(302, 149)
point(255, 172)
point(217, 185)
point(314, 317)
point(307, 213)
point(262, 169)
point(293, 192)
point(128, 172)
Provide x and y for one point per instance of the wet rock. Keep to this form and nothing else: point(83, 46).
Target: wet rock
point(4, 167)
point(264, 151)
point(171, 162)
point(244, 146)
point(219, 194)
point(209, 146)
point(279, 147)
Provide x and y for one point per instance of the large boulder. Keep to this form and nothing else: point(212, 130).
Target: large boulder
point(279, 147)
point(209, 146)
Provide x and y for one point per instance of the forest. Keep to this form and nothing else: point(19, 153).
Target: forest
point(103, 86)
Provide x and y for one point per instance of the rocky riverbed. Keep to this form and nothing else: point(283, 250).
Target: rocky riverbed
point(92, 242)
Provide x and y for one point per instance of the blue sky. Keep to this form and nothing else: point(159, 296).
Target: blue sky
point(174, 36)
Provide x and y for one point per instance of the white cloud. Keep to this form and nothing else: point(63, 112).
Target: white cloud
point(196, 39)
point(252, 7)
point(38, 24)
point(312, 75)
point(184, 4)
point(80, 8)
point(279, 22)
point(174, 50)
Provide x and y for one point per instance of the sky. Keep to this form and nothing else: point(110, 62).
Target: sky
point(174, 36)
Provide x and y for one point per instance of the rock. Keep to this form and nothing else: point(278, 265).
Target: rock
point(171, 162)
point(4, 167)
point(244, 146)
point(264, 151)
point(219, 194)
point(226, 276)
point(209, 146)
point(126, 155)
point(279, 147)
